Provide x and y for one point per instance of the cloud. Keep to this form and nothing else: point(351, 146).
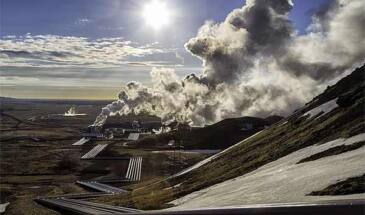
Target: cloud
point(113, 28)
point(335, 42)
point(56, 51)
point(228, 49)
point(181, 58)
point(254, 64)
point(82, 21)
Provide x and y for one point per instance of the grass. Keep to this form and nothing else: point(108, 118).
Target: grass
point(349, 186)
point(333, 151)
point(67, 163)
point(29, 168)
point(23, 203)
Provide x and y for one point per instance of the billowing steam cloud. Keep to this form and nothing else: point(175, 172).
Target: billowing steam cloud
point(254, 64)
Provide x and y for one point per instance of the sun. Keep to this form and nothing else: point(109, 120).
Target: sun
point(156, 14)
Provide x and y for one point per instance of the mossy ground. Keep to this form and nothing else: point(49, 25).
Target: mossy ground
point(352, 185)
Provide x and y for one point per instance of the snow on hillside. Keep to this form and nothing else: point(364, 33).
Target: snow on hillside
point(283, 180)
point(322, 109)
point(209, 159)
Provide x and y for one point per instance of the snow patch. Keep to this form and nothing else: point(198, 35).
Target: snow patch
point(72, 112)
point(81, 142)
point(322, 109)
point(205, 161)
point(133, 136)
point(283, 123)
point(197, 151)
point(3, 207)
point(94, 151)
point(284, 180)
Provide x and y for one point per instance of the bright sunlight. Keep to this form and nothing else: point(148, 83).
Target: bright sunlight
point(156, 14)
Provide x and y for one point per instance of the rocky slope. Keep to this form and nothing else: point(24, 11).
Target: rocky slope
point(258, 168)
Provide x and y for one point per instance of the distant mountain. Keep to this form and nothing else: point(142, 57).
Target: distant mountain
point(319, 147)
point(4, 100)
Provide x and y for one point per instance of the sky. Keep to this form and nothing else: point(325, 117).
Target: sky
point(86, 49)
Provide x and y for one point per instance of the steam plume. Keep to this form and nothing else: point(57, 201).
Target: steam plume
point(254, 64)
point(72, 112)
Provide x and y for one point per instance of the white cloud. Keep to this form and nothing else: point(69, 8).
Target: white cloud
point(61, 51)
point(82, 21)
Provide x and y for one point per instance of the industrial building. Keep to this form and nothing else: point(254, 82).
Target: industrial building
point(122, 127)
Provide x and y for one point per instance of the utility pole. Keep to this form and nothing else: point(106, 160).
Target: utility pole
point(173, 146)
point(181, 147)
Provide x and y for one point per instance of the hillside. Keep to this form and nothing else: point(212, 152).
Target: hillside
point(216, 136)
point(316, 147)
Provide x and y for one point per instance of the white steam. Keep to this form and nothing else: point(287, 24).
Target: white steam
point(72, 112)
point(254, 64)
